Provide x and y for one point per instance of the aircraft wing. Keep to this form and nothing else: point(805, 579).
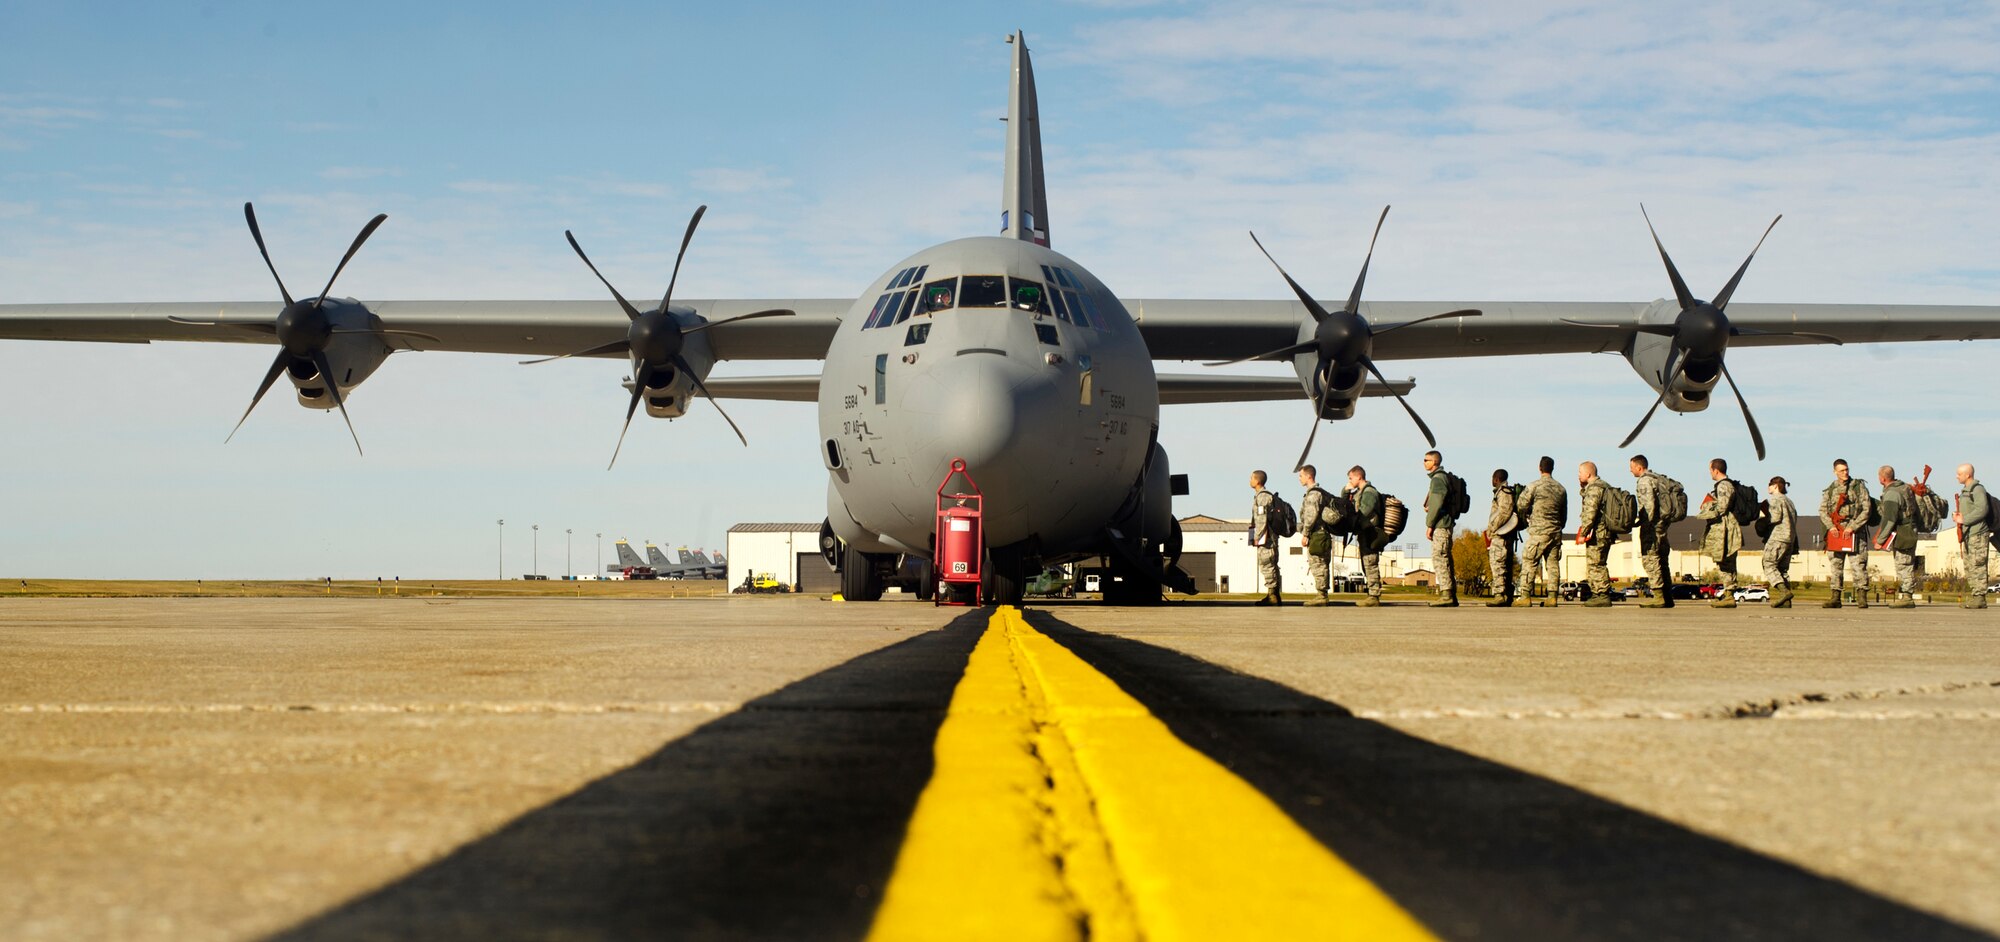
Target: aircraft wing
point(1226, 329)
point(1190, 388)
point(795, 388)
point(525, 328)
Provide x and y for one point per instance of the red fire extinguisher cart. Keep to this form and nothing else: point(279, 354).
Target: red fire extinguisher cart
point(961, 537)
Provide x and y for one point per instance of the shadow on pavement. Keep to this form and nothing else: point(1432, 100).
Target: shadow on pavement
point(781, 820)
point(1480, 850)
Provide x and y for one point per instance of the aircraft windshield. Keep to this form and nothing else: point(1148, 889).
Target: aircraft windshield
point(983, 291)
point(940, 295)
point(1028, 296)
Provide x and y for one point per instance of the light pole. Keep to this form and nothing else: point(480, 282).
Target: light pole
point(535, 557)
point(566, 569)
point(600, 556)
point(503, 548)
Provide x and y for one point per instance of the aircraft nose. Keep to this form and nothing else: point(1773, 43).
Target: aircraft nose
point(980, 415)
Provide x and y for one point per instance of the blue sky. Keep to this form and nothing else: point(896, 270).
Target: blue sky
point(1515, 141)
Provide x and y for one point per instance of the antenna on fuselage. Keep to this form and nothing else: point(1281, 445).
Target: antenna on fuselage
point(1024, 203)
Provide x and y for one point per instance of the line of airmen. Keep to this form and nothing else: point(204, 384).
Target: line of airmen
point(1537, 513)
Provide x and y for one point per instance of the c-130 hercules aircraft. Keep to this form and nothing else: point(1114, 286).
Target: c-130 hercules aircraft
point(1003, 353)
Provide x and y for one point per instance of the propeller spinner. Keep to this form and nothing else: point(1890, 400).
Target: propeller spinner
point(1341, 340)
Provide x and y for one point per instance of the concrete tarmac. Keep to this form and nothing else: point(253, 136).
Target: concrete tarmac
point(730, 768)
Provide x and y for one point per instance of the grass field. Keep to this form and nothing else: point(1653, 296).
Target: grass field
point(416, 588)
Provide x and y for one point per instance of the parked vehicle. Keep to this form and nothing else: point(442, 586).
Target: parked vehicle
point(1686, 592)
point(1753, 593)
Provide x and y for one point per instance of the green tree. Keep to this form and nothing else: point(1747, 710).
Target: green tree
point(1468, 561)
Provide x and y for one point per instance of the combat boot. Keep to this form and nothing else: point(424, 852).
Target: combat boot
point(1782, 600)
point(1833, 602)
point(1860, 600)
point(1523, 602)
point(1902, 601)
point(1723, 601)
point(1268, 599)
point(1499, 601)
point(1657, 601)
point(1449, 601)
point(1598, 601)
point(1977, 601)
point(1369, 601)
point(1549, 601)
point(1316, 601)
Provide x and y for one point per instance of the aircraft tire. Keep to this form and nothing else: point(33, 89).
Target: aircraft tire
point(1006, 577)
point(860, 579)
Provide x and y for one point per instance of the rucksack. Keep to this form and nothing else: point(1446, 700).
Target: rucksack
point(1281, 518)
point(1672, 499)
point(1929, 508)
point(1334, 511)
point(1456, 501)
point(1620, 512)
point(1743, 504)
point(1394, 517)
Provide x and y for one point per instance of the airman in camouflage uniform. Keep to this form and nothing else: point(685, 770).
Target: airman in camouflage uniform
point(1724, 537)
point(1368, 531)
point(1501, 533)
point(1975, 533)
point(1313, 533)
point(1263, 539)
point(1900, 519)
point(1649, 493)
point(1781, 540)
point(1546, 505)
point(1440, 522)
point(1850, 516)
point(1592, 534)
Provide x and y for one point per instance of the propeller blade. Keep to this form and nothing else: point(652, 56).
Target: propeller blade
point(1369, 362)
point(601, 348)
point(1319, 409)
point(1673, 376)
point(333, 387)
point(1756, 436)
point(366, 231)
point(241, 325)
point(1806, 334)
point(698, 384)
point(1722, 300)
point(271, 376)
point(1681, 293)
point(1282, 353)
point(630, 311)
point(250, 215)
point(1318, 312)
point(1468, 312)
point(774, 312)
point(1354, 299)
point(637, 391)
point(685, 239)
point(1658, 330)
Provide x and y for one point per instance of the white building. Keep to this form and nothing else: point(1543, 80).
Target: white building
point(788, 551)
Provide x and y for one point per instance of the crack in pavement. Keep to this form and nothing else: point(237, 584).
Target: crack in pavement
point(1801, 706)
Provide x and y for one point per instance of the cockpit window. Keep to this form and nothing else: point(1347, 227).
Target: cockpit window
point(1077, 315)
point(902, 278)
point(1028, 296)
point(883, 313)
point(909, 305)
point(940, 295)
point(983, 291)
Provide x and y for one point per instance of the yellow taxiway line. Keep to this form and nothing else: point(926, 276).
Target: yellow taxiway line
point(1060, 808)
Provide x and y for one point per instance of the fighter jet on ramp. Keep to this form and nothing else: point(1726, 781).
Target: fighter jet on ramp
point(1002, 353)
point(688, 567)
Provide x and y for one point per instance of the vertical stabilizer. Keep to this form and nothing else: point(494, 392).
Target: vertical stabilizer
point(1024, 202)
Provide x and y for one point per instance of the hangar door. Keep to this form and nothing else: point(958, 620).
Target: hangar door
point(814, 576)
point(1202, 567)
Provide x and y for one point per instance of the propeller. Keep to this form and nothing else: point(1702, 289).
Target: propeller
point(302, 328)
point(1701, 334)
point(655, 338)
point(1342, 341)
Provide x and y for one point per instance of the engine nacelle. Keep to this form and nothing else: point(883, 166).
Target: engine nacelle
point(1648, 355)
point(352, 357)
point(670, 391)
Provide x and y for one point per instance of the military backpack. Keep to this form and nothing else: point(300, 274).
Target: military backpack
point(1336, 512)
point(1281, 518)
point(1394, 517)
point(1456, 501)
point(1928, 508)
point(1672, 500)
point(1620, 511)
point(1743, 504)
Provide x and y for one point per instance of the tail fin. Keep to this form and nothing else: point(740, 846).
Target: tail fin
point(1024, 202)
point(626, 556)
point(657, 559)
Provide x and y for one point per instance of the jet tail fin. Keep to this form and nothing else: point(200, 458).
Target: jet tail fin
point(1024, 202)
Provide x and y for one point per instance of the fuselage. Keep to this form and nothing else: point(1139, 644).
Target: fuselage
point(1002, 353)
